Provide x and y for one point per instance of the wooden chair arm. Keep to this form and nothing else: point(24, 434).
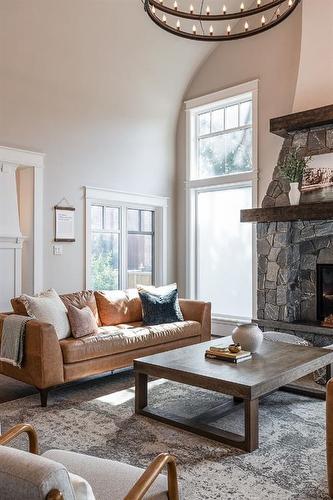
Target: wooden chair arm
point(151, 473)
point(55, 495)
point(21, 429)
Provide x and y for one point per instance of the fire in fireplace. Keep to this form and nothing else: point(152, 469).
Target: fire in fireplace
point(325, 293)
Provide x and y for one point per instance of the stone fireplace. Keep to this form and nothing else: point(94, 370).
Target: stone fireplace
point(324, 291)
point(288, 257)
point(295, 243)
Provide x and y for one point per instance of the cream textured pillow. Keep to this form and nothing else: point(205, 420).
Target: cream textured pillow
point(159, 290)
point(49, 308)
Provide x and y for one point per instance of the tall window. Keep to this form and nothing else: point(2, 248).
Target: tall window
point(105, 247)
point(125, 240)
point(140, 243)
point(221, 180)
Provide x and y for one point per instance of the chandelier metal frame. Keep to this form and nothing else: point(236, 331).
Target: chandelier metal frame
point(152, 7)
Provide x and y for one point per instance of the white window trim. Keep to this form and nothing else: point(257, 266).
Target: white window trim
point(159, 204)
point(193, 186)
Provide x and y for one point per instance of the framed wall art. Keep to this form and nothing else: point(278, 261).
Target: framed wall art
point(64, 223)
point(317, 183)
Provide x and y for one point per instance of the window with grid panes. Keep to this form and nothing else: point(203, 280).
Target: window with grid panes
point(111, 267)
point(224, 140)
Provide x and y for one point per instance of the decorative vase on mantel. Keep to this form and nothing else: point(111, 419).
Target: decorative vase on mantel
point(294, 193)
point(292, 169)
point(249, 336)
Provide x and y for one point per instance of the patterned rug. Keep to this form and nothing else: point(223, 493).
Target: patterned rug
point(96, 417)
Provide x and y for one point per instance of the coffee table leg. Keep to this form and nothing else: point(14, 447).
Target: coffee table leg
point(251, 424)
point(328, 372)
point(141, 391)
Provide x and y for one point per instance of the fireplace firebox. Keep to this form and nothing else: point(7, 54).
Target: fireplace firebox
point(324, 291)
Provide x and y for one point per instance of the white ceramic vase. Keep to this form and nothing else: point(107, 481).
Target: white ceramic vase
point(249, 336)
point(294, 194)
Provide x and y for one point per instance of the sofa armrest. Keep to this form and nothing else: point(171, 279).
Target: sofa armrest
point(197, 310)
point(42, 359)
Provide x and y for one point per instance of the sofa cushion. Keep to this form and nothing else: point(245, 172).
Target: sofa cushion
point(18, 306)
point(118, 306)
point(113, 339)
point(80, 300)
point(109, 480)
point(159, 309)
point(47, 307)
point(157, 290)
point(82, 321)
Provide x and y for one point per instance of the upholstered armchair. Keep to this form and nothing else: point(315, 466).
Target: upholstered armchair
point(64, 475)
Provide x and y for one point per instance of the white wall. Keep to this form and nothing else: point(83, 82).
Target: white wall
point(315, 78)
point(273, 58)
point(97, 87)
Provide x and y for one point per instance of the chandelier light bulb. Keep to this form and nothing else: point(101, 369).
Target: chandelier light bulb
point(205, 23)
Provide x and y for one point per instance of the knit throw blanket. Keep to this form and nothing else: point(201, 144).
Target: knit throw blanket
point(12, 339)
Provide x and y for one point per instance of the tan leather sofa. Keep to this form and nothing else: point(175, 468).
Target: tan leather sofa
point(121, 338)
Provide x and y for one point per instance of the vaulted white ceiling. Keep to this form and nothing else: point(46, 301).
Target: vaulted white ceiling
point(97, 87)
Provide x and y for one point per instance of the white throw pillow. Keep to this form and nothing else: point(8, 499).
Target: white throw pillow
point(157, 290)
point(49, 308)
point(81, 487)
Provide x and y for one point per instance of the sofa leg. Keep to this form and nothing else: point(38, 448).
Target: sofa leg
point(43, 397)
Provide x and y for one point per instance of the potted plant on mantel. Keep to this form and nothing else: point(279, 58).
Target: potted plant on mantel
point(293, 169)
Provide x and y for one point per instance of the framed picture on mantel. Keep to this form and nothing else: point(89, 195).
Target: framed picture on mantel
point(317, 183)
point(64, 224)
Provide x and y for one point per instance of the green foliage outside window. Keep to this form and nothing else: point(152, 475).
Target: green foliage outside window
point(104, 263)
point(104, 277)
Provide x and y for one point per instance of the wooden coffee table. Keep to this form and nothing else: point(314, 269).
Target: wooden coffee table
point(274, 367)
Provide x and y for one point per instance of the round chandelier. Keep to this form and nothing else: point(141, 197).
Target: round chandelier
point(218, 20)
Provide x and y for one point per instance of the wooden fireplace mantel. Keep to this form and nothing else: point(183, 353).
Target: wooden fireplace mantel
point(308, 211)
point(300, 121)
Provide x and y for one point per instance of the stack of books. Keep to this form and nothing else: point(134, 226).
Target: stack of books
point(223, 353)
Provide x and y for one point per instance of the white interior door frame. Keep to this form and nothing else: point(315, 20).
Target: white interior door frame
point(35, 160)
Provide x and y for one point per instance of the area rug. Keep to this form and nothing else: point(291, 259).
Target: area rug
point(97, 417)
